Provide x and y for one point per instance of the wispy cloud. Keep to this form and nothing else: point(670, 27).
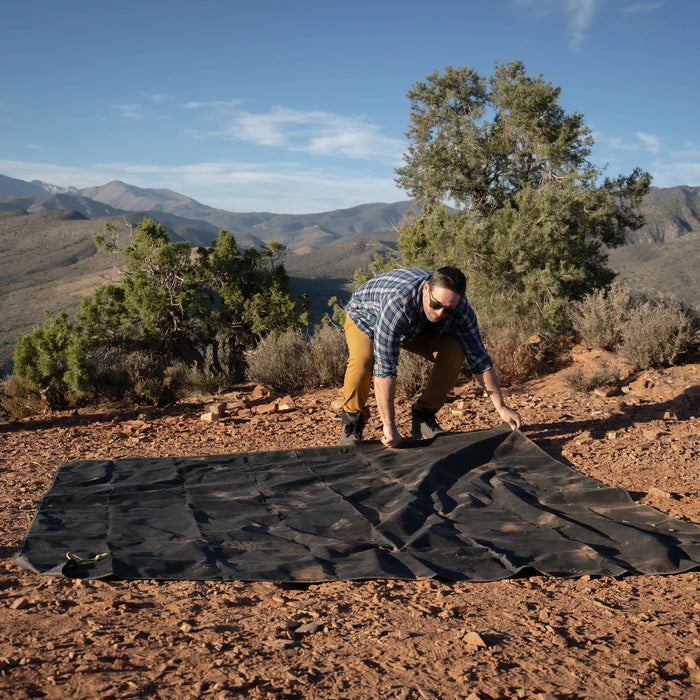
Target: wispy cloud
point(580, 19)
point(156, 96)
point(576, 15)
point(131, 110)
point(314, 132)
point(641, 7)
point(216, 104)
point(650, 141)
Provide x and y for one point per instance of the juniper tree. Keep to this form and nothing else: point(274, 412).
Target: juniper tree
point(503, 188)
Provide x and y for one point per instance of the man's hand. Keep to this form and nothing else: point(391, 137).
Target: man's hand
point(510, 416)
point(391, 436)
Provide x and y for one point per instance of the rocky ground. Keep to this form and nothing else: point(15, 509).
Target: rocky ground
point(535, 637)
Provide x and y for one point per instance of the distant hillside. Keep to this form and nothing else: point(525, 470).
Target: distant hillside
point(179, 228)
point(51, 202)
point(293, 230)
point(670, 213)
point(671, 267)
point(12, 187)
point(328, 272)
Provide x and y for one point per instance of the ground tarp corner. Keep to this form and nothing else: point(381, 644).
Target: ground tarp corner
point(478, 506)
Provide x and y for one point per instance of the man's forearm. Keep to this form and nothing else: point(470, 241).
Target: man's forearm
point(385, 392)
point(489, 383)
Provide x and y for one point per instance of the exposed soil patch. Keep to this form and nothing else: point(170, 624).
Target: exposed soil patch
point(537, 637)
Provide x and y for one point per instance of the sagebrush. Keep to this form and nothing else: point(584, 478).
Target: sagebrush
point(649, 331)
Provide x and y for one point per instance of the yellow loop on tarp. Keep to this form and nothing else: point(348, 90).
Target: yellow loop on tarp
point(77, 559)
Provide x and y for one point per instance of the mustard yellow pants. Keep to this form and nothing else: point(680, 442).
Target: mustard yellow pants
point(445, 352)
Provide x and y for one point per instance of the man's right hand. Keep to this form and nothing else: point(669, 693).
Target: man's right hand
point(391, 436)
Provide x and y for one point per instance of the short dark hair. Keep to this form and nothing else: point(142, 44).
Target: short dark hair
point(449, 277)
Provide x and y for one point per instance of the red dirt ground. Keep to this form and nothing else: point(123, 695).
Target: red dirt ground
point(538, 637)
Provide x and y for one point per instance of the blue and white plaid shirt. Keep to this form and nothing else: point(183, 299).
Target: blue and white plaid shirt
point(389, 309)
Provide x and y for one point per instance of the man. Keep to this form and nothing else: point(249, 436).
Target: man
point(423, 313)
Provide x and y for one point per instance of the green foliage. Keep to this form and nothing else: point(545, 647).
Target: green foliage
point(530, 223)
point(51, 360)
point(174, 307)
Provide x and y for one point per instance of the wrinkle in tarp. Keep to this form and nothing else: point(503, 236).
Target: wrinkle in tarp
point(479, 506)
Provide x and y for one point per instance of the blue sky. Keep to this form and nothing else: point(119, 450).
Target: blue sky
point(299, 106)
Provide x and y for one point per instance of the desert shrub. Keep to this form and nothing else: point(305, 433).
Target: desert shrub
point(327, 355)
point(656, 333)
point(280, 361)
point(19, 400)
point(136, 376)
point(605, 375)
point(647, 331)
point(599, 317)
point(412, 373)
point(516, 355)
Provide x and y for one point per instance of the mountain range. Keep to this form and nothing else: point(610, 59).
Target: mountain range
point(48, 259)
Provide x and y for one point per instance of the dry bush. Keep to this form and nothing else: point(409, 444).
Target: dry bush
point(327, 356)
point(137, 376)
point(19, 400)
point(280, 362)
point(656, 333)
point(600, 316)
point(605, 375)
point(647, 331)
point(516, 355)
point(412, 373)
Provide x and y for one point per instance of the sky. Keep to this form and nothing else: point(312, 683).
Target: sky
point(300, 106)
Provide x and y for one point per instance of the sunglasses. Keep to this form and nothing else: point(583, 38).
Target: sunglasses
point(435, 304)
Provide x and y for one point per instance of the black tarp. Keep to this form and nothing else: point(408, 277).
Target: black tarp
point(477, 506)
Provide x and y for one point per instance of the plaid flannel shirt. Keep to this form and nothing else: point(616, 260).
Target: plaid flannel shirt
point(389, 309)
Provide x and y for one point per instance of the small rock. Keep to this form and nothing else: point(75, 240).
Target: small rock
point(259, 392)
point(20, 603)
point(217, 408)
point(606, 391)
point(286, 404)
point(474, 639)
point(309, 628)
point(654, 491)
point(186, 627)
point(209, 417)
